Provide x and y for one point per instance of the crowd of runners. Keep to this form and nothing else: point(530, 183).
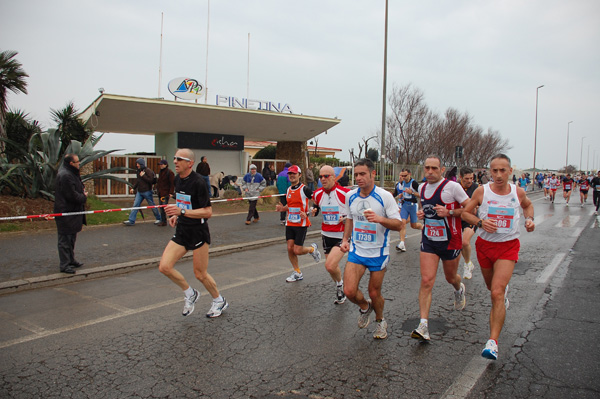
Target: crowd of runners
point(360, 221)
point(581, 182)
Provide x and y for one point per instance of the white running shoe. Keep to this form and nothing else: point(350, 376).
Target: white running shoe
point(460, 299)
point(217, 308)
point(567, 204)
point(315, 254)
point(188, 307)
point(491, 350)
point(421, 332)
point(381, 330)
point(295, 276)
point(364, 318)
point(401, 247)
point(468, 270)
point(340, 297)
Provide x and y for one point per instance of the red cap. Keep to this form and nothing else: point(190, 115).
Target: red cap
point(294, 169)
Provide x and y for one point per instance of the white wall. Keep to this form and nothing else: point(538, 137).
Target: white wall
point(228, 162)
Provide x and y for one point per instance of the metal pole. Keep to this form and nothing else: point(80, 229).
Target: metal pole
point(382, 155)
point(581, 153)
point(248, 76)
point(587, 168)
point(567, 160)
point(206, 69)
point(535, 134)
point(160, 56)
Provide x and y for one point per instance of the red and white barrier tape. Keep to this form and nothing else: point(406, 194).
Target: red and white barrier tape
point(53, 215)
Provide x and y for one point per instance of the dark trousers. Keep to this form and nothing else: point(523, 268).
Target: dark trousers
point(66, 250)
point(252, 212)
point(283, 200)
point(163, 201)
point(597, 199)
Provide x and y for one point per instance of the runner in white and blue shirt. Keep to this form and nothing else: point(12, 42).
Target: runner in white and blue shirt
point(372, 213)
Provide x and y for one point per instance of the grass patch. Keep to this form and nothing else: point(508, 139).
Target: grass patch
point(8, 227)
point(94, 204)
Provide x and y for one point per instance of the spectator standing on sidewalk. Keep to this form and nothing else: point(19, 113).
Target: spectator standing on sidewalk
point(165, 188)
point(310, 177)
point(143, 191)
point(203, 169)
point(70, 196)
point(252, 184)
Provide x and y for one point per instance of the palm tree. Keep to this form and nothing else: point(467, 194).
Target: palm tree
point(69, 126)
point(12, 77)
point(19, 128)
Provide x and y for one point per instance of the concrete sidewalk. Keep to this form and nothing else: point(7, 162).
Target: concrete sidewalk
point(31, 260)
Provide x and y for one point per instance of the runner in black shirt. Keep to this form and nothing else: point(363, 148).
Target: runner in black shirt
point(190, 214)
point(467, 183)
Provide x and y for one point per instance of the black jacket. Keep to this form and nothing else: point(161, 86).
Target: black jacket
point(144, 183)
point(165, 185)
point(69, 197)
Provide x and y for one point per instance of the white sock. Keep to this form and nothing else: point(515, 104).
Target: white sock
point(189, 292)
point(218, 299)
point(340, 283)
point(424, 321)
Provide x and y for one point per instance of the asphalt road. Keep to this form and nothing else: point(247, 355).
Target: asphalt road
point(124, 336)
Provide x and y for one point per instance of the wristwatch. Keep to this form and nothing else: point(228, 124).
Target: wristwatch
point(182, 211)
point(451, 212)
point(480, 223)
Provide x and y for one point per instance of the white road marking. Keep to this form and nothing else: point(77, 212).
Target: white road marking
point(461, 387)
point(577, 232)
point(569, 221)
point(550, 269)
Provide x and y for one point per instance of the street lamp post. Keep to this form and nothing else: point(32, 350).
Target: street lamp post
point(535, 134)
point(587, 168)
point(382, 153)
point(567, 160)
point(581, 153)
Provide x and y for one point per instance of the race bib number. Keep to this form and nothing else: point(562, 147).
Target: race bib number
point(435, 230)
point(504, 218)
point(365, 233)
point(331, 214)
point(567, 186)
point(294, 215)
point(183, 201)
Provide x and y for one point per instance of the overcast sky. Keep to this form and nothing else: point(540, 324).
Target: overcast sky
point(325, 58)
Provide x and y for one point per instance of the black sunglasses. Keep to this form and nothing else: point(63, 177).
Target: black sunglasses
point(324, 176)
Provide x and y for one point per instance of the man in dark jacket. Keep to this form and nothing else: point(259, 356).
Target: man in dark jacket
point(165, 187)
point(143, 185)
point(203, 169)
point(70, 196)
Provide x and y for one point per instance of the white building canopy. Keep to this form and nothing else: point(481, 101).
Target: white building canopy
point(111, 113)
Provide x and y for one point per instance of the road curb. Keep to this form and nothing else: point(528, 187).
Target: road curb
point(53, 280)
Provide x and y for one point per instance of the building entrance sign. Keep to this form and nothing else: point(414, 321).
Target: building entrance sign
point(208, 141)
point(186, 88)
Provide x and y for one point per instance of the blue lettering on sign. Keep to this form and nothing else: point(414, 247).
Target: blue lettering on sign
point(246, 103)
